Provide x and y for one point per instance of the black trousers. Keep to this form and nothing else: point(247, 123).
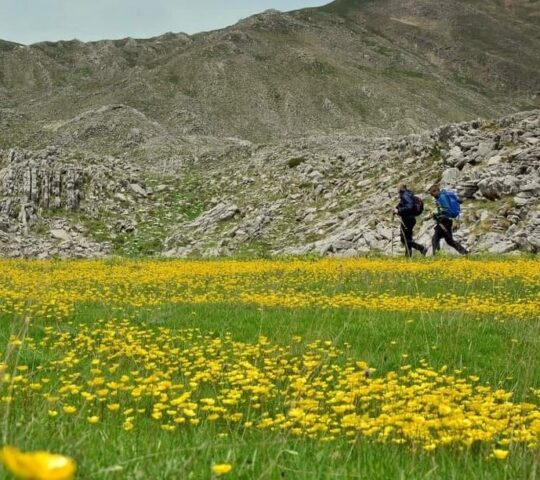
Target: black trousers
point(407, 227)
point(443, 229)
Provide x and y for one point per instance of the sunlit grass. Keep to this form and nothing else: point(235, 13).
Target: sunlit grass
point(154, 369)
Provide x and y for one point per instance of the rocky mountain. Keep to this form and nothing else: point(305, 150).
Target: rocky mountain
point(325, 195)
point(284, 134)
point(371, 67)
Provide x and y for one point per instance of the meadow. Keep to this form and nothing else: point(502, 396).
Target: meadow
point(302, 369)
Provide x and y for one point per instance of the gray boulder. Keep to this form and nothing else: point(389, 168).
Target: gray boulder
point(491, 188)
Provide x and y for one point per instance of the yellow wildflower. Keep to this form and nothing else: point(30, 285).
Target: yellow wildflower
point(221, 468)
point(500, 454)
point(38, 465)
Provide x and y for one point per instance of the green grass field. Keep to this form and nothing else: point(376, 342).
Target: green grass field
point(170, 348)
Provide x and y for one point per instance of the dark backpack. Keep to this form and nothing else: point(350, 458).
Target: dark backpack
point(418, 206)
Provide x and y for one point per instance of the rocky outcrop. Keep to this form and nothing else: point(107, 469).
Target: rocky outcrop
point(45, 195)
point(30, 183)
point(338, 199)
point(324, 195)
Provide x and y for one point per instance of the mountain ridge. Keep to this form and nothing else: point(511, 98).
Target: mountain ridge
point(376, 67)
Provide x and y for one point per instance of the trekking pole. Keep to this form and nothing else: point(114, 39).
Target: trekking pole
point(443, 228)
point(392, 246)
point(402, 228)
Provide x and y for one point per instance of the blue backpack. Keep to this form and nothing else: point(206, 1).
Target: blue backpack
point(454, 207)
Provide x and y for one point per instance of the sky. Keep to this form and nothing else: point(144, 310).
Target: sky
point(31, 21)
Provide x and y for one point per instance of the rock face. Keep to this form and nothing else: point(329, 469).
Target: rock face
point(43, 197)
point(324, 195)
point(36, 182)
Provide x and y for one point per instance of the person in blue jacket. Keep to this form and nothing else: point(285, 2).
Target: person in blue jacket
point(444, 223)
point(407, 210)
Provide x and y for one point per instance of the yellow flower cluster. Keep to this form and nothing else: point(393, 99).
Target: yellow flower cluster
point(52, 289)
point(179, 379)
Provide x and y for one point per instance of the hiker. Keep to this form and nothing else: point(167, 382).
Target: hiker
point(408, 209)
point(448, 208)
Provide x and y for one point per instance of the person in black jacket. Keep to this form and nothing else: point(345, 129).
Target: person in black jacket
point(407, 211)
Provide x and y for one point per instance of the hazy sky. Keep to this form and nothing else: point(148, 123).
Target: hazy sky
point(30, 21)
